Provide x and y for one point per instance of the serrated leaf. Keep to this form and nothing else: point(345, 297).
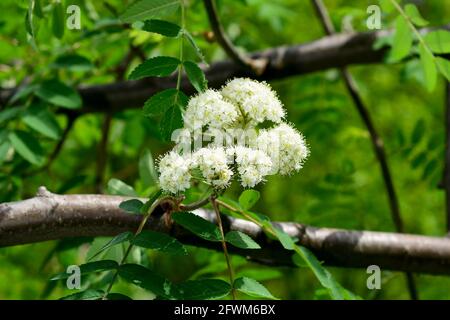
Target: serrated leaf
point(444, 67)
point(403, 40)
point(43, 121)
point(196, 76)
point(147, 170)
point(241, 240)
point(414, 14)
point(146, 279)
point(59, 94)
point(58, 20)
point(155, 67)
point(197, 225)
point(73, 62)
point(286, 241)
point(159, 241)
point(27, 146)
point(248, 199)
point(162, 27)
point(148, 9)
point(117, 187)
point(194, 45)
point(160, 102)
point(438, 41)
point(120, 238)
point(90, 267)
point(172, 118)
point(132, 206)
point(89, 294)
point(203, 289)
point(429, 67)
point(252, 288)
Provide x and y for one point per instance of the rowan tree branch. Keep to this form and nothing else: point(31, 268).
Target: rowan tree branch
point(256, 65)
point(329, 52)
point(377, 141)
point(49, 216)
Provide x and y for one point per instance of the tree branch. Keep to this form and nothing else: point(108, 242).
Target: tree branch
point(256, 65)
point(447, 155)
point(49, 216)
point(329, 52)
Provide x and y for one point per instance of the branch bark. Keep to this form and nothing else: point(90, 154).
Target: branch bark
point(329, 52)
point(49, 216)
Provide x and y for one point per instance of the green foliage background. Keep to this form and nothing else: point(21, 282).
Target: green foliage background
point(340, 185)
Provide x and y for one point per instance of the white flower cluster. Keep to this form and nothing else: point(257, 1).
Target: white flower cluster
point(240, 104)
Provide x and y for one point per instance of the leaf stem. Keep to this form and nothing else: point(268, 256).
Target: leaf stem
point(224, 244)
point(180, 67)
point(130, 246)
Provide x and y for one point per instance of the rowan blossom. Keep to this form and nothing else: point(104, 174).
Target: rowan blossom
point(212, 163)
point(285, 146)
point(209, 109)
point(256, 100)
point(174, 173)
point(252, 165)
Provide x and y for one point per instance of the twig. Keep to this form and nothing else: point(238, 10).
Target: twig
point(257, 65)
point(224, 245)
point(102, 152)
point(377, 142)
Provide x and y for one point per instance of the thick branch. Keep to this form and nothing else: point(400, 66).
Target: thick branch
point(49, 216)
point(329, 52)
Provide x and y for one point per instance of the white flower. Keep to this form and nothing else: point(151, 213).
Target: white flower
point(212, 163)
point(209, 109)
point(255, 99)
point(285, 146)
point(252, 165)
point(174, 173)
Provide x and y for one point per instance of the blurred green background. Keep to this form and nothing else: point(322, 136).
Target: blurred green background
point(340, 185)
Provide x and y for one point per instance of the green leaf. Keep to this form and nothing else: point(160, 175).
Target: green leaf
point(403, 40)
point(241, 240)
point(196, 76)
point(197, 225)
point(252, 288)
point(37, 10)
point(148, 9)
point(444, 67)
point(146, 279)
point(118, 187)
point(248, 199)
point(325, 278)
point(89, 294)
point(204, 289)
point(418, 132)
point(90, 267)
point(162, 27)
point(58, 20)
point(155, 67)
point(10, 113)
point(27, 146)
point(160, 102)
point(414, 14)
point(428, 66)
point(4, 148)
point(117, 296)
point(192, 42)
point(57, 93)
point(120, 238)
point(132, 206)
point(147, 170)
point(159, 241)
point(172, 118)
point(286, 241)
point(43, 121)
point(73, 62)
point(438, 41)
